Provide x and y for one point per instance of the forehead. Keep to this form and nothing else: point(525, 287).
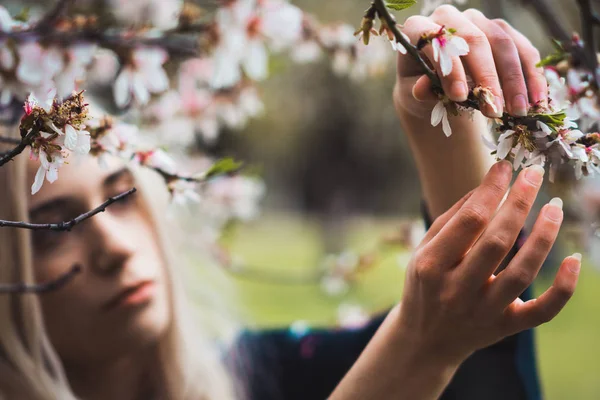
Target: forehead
point(83, 175)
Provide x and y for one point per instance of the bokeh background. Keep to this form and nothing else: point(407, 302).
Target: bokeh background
point(339, 175)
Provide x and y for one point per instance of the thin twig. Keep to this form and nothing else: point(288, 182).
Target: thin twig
point(10, 140)
point(53, 15)
point(383, 13)
point(68, 225)
point(7, 288)
point(23, 143)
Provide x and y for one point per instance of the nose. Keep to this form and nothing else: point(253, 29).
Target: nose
point(111, 244)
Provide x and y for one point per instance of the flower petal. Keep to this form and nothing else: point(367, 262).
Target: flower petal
point(39, 180)
point(446, 124)
point(70, 137)
point(122, 88)
point(437, 113)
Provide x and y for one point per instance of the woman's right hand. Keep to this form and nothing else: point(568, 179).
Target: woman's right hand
point(453, 303)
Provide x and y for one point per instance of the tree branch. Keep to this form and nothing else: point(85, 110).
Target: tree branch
point(53, 15)
point(59, 282)
point(389, 19)
point(23, 143)
point(68, 225)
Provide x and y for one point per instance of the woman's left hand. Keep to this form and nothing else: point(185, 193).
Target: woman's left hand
point(500, 58)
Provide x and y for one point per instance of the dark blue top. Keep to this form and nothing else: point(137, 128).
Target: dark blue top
point(284, 365)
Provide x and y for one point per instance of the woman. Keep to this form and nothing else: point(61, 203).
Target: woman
point(118, 331)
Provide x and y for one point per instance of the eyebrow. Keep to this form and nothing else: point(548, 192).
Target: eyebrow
point(62, 202)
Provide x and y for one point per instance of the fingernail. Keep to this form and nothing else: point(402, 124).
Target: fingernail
point(519, 106)
point(505, 166)
point(555, 211)
point(499, 107)
point(459, 90)
point(414, 94)
point(535, 174)
point(575, 268)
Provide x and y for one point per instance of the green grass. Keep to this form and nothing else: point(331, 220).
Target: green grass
point(568, 354)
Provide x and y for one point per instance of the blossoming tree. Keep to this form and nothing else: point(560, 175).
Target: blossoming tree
point(170, 62)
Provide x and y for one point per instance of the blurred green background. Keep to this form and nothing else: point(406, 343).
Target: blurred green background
point(339, 174)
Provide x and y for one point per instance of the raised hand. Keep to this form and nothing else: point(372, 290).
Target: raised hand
point(453, 302)
point(500, 58)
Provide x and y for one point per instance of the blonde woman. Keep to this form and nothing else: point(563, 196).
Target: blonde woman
point(120, 330)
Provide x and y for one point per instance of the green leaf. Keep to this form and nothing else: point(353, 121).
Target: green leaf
point(223, 166)
point(24, 15)
point(399, 5)
point(552, 59)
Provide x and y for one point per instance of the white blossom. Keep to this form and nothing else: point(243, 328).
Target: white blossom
point(445, 47)
point(440, 114)
point(141, 77)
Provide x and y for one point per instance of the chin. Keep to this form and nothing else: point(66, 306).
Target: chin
point(143, 325)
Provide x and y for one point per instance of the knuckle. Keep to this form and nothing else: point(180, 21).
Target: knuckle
point(495, 244)
point(544, 242)
point(474, 217)
point(476, 39)
point(502, 23)
point(473, 12)
point(488, 77)
point(521, 204)
point(514, 76)
point(445, 9)
point(500, 39)
point(519, 278)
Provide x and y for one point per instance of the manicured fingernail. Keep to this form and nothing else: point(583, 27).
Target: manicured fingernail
point(499, 107)
point(519, 106)
point(414, 94)
point(459, 90)
point(557, 202)
point(575, 267)
point(535, 174)
point(555, 211)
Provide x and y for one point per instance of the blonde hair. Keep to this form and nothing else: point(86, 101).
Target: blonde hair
point(190, 367)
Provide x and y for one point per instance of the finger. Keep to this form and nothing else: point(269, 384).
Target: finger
point(480, 60)
point(454, 84)
point(499, 237)
point(534, 76)
point(443, 219)
point(524, 267)
point(422, 91)
point(457, 236)
point(538, 311)
point(508, 63)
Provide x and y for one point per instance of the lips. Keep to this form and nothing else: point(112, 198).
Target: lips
point(137, 294)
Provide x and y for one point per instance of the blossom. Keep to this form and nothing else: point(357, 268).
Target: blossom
point(445, 46)
point(51, 158)
point(505, 144)
point(162, 14)
point(565, 139)
point(141, 77)
point(184, 192)
point(79, 57)
point(440, 114)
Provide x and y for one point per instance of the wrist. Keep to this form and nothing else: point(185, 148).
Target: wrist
point(429, 363)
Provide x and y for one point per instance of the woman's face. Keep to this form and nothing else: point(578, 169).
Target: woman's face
point(119, 302)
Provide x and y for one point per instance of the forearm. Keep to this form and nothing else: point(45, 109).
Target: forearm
point(393, 367)
point(449, 167)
